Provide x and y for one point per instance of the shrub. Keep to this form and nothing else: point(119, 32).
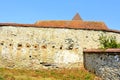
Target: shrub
point(108, 42)
point(1, 78)
point(118, 45)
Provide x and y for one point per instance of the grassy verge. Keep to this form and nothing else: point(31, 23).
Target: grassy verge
point(62, 74)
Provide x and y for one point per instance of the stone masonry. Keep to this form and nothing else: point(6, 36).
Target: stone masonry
point(104, 63)
point(36, 48)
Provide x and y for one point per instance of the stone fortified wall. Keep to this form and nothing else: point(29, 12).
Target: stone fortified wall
point(104, 63)
point(35, 48)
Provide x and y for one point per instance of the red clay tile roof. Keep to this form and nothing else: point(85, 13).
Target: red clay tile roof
point(73, 24)
point(47, 24)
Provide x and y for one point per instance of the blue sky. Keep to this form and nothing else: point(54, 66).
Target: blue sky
point(30, 11)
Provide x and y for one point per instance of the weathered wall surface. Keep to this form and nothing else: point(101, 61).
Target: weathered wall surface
point(34, 48)
point(104, 64)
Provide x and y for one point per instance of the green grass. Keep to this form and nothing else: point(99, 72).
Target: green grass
point(61, 74)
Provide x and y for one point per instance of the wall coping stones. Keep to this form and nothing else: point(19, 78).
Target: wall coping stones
point(110, 50)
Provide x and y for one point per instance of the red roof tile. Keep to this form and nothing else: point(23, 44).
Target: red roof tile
point(73, 24)
point(70, 24)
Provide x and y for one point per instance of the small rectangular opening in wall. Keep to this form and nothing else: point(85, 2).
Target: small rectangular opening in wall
point(1, 43)
point(36, 46)
point(28, 45)
point(44, 46)
point(30, 56)
point(19, 45)
point(53, 46)
point(60, 47)
point(10, 44)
